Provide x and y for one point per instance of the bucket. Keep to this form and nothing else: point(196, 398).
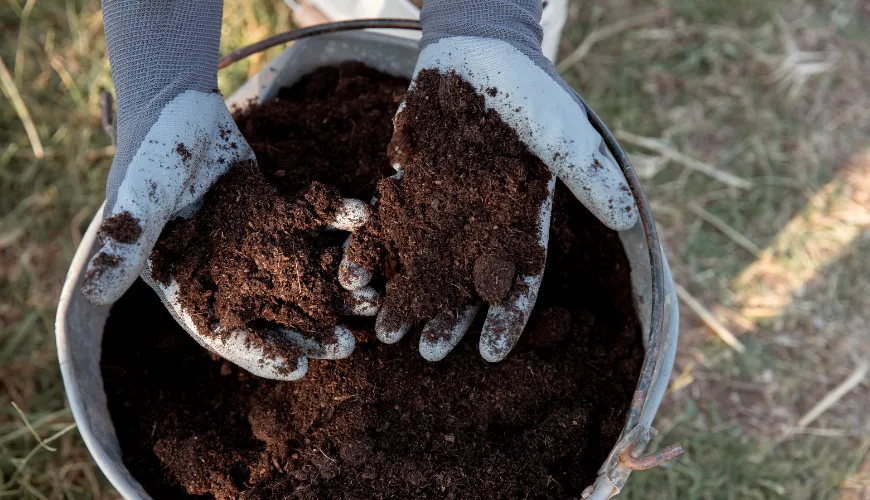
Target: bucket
point(79, 325)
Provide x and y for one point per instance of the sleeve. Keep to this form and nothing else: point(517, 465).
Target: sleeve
point(517, 22)
point(157, 50)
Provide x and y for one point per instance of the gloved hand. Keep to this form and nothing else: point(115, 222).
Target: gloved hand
point(497, 44)
point(175, 139)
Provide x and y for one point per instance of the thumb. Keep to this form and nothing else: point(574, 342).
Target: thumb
point(127, 239)
point(597, 181)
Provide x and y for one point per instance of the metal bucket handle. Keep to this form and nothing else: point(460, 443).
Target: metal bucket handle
point(627, 455)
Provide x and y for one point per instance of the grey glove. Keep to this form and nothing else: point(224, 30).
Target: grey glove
point(497, 44)
point(176, 137)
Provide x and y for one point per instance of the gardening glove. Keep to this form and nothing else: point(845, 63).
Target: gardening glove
point(176, 137)
point(495, 45)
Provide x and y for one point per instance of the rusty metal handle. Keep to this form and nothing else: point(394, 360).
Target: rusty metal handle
point(645, 462)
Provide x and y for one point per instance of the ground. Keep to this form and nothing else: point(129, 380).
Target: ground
point(748, 122)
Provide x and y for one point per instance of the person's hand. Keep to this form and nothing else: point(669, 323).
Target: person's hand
point(176, 137)
point(495, 44)
point(193, 142)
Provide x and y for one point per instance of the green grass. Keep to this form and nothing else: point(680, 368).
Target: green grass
point(706, 77)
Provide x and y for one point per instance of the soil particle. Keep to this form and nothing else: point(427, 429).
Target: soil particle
point(105, 261)
point(470, 189)
point(122, 227)
point(101, 264)
point(183, 152)
point(386, 423)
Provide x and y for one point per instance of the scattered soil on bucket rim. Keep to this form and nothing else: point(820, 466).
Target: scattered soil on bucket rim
point(386, 423)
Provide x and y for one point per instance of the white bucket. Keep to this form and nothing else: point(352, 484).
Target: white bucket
point(79, 325)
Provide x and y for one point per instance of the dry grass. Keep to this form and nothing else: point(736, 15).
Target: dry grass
point(770, 92)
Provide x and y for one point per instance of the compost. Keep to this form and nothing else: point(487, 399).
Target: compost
point(383, 423)
point(463, 219)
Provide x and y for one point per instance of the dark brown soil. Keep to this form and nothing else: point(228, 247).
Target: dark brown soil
point(470, 190)
point(332, 127)
point(386, 423)
point(122, 227)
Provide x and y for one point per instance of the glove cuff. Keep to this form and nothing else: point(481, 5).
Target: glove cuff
point(517, 22)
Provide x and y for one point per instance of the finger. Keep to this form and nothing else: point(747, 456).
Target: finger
point(363, 302)
point(505, 322)
point(352, 275)
point(271, 355)
point(339, 343)
point(274, 355)
point(390, 325)
point(444, 331)
point(602, 189)
point(351, 215)
point(127, 241)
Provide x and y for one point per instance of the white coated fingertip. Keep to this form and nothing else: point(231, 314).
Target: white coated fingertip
point(389, 327)
point(343, 346)
point(443, 332)
point(620, 212)
point(505, 323)
point(339, 344)
point(351, 275)
point(365, 301)
point(352, 215)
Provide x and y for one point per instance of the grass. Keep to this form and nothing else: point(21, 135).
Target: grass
point(771, 91)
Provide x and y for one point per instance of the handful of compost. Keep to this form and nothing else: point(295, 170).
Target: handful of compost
point(252, 274)
point(444, 135)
